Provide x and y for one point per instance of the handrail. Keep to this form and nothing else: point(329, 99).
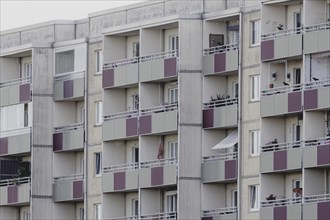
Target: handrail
point(120, 167)
point(317, 198)
point(15, 131)
point(317, 84)
point(70, 127)
point(162, 108)
point(60, 179)
point(224, 156)
point(18, 81)
point(15, 181)
point(161, 55)
point(127, 114)
point(122, 62)
point(219, 211)
point(317, 141)
point(164, 215)
point(220, 49)
point(220, 103)
point(69, 75)
point(124, 218)
point(288, 32)
point(281, 90)
point(280, 146)
point(281, 202)
point(157, 163)
point(316, 27)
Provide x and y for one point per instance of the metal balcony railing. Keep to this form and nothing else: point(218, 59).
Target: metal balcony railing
point(16, 181)
point(281, 202)
point(317, 198)
point(162, 108)
point(157, 163)
point(220, 103)
point(124, 218)
point(120, 167)
point(70, 127)
point(220, 211)
point(68, 178)
point(220, 49)
point(293, 31)
point(69, 75)
point(317, 84)
point(317, 141)
point(280, 146)
point(225, 156)
point(161, 55)
point(14, 132)
point(317, 27)
point(122, 62)
point(281, 90)
point(19, 81)
point(165, 215)
point(127, 114)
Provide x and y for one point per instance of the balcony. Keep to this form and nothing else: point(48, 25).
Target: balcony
point(159, 66)
point(221, 214)
point(120, 73)
point(15, 142)
point(15, 192)
point(120, 178)
point(221, 167)
point(281, 100)
point(159, 120)
point(316, 38)
point(220, 113)
point(160, 216)
point(124, 218)
point(289, 208)
point(222, 60)
point(15, 91)
point(158, 173)
point(316, 207)
point(68, 138)
point(277, 157)
point(316, 152)
point(120, 125)
point(316, 95)
point(68, 188)
point(69, 86)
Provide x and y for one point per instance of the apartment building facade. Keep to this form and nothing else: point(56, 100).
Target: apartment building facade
point(169, 109)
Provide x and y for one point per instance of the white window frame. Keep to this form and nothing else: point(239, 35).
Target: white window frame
point(235, 93)
point(175, 93)
point(81, 214)
point(234, 198)
point(134, 211)
point(26, 215)
point(98, 113)
point(98, 164)
point(171, 197)
point(135, 102)
point(255, 143)
point(97, 211)
point(255, 88)
point(27, 70)
point(295, 129)
point(174, 42)
point(294, 183)
point(255, 26)
point(98, 62)
point(172, 149)
point(254, 198)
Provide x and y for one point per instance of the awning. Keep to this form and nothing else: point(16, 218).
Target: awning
point(229, 141)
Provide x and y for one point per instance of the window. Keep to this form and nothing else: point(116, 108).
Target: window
point(235, 89)
point(255, 88)
point(296, 132)
point(135, 207)
point(98, 164)
point(135, 154)
point(98, 61)
point(254, 198)
point(234, 198)
point(296, 76)
point(233, 37)
point(255, 142)
point(136, 49)
point(82, 164)
point(296, 184)
point(171, 203)
point(26, 215)
point(82, 114)
point(26, 115)
point(97, 211)
point(173, 95)
point(135, 102)
point(27, 70)
point(172, 151)
point(255, 33)
point(297, 21)
point(98, 112)
point(174, 42)
point(64, 62)
point(81, 214)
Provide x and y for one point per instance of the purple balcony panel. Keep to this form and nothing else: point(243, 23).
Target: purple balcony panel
point(12, 194)
point(68, 89)
point(3, 146)
point(294, 101)
point(77, 189)
point(219, 62)
point(280, 160)
point(280, 213)
point(157, 176)
point(108, 78)
point(267, 50)
point(323, 210)
point(230, 169)
point(310, 99)
point(145, 124)
point(119, 181)
point(24, 92)
point(170, 67)
point(131, 127)
point(323, 154)
point(57, 141)
point(208, 118)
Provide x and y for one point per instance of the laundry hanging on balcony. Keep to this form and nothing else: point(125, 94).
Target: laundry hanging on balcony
point(228, 141)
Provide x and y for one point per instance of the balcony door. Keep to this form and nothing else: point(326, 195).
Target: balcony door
point(297, 21)
point(296, 76)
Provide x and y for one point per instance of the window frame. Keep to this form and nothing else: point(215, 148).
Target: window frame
point(26, 215)
point(98, 164)
point(174, 42)
point(136, 49)
point(294, 181)
point(255, 34)
point(175, 91)
point(98, 113)
point(254, 206)
point(134, 201)
point(170, 146)
point(97, 211)
point(98, 62)
point(255, 91)
point(27, 73)
point(255, 149)
point(169, 200)
point(135, 102)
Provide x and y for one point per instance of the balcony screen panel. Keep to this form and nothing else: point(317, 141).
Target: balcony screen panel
point(12, 117)
point(64, 62)
point(228, 142)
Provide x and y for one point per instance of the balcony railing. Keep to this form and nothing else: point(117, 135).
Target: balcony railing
point(317, 198)
point(276, 34)
point(157, 163)
point(225, 156)
point(317, 141)
point(220, 103)
point(317, 84)
point(16, 181)
point(161, 55)
point(220, 49)
point(73, 177)
point(280, 146)
point(121, 167)
point(165, 215)
point(123, 62)
point(69, 75)
point(281, 202)
point(14, 132)
point(281, 90)
point(128, 114)
point(220, 211)
point(12, 82)
point(163, 108)
point(124, 218)
point(317, 27)
point(70, 127)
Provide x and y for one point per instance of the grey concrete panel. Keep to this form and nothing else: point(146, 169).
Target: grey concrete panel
point(38, 35)
point(170, 121)
point(280, 104)
point(323, 98)
point(157, 69)
point(62, 191)
point(218, 170)
point(58, 91)
point(4, 96)
point(131, 180)
point(230, 115)
point(182, 7)
point(310, 211)
point(10, 40)
point(120, 76)
point(145, 13)
point(98, 23)
point(67, 140)
point(3, 195)
point(281, 47)
point(266, 213)
point(323, 40)
point(266, 162)
point(310, 156)
point(13, 145)
point(157, 122)
point(64, 32)
point(78, 139)
point(309, 42)
point(294, 158)
point(120, 128)
point(295, 45)
point(78, 87)
point(232, 60)
point(294, 212)
point(82, 30)
point(145, 71)
point(107, 182)
point(24, 193)
point(132, 73)
point(25, 143)
point(170, 174)
point(208, 64)
point(218, 117)
point(207, 170)
point(108, 130)
point(13, 97)
point(145, 177)
point(267, 105)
